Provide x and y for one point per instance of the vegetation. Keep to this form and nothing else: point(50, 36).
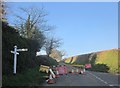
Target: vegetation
point(100, 68)
point(28, 32)
point(27, 64)
point(105, 61)
point(31, 77)
point(50, 44)
point(32, 25)
point(10, 38)
point(79, 59)
point(57, 55)
point(45, 60)
point(67, 60)
point(110, 58)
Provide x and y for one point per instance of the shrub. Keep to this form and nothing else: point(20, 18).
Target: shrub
point(10, 38)
point(100, 68)
point(48, 61)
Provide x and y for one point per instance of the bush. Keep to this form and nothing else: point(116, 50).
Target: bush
point(100, 68)
point(10, 38)
point(30, 77)
point(48, 61)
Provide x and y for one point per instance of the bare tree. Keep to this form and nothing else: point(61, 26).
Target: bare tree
point(34, 18)
point(33, 24)
point(50, 44)
point(63, 53)
point(57, 54)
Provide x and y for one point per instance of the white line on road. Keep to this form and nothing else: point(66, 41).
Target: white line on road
point(101, 79)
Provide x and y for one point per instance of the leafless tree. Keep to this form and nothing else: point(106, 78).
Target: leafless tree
point(33, 18)
point(50, 44)
point(32, 24)
point(57, 54)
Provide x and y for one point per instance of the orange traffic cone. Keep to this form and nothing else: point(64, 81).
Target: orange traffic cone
point(50, 80)
point(57, 74)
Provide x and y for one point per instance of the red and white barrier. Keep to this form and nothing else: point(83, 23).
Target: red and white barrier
point(52, 73)
point(57, 74)
point(61, 70)
point(50, 80)
point(65, 70)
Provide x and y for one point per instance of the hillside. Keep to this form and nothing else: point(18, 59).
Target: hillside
point(79, 59)
point(107, 57)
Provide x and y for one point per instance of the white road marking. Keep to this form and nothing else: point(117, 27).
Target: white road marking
point(111, 85)
point(101, 79)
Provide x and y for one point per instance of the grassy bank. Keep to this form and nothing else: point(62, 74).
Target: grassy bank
point(110, 58)
point(103, 60)
point(31, 77)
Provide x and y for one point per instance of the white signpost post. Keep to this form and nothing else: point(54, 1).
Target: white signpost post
point(15, 57)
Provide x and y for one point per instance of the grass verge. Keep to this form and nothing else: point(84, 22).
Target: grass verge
point(31, 77)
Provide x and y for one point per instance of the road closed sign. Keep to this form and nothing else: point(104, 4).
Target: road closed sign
point(87, 65)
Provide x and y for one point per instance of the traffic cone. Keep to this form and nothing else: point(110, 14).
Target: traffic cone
point(77, 71)
point(50, 80)
point(84, 72)
point(72, 71)
point(81, 71)
point(57, 74)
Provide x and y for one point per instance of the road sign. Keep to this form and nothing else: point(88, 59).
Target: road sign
point(22, 49)
point(14, 52)
point(15, 56)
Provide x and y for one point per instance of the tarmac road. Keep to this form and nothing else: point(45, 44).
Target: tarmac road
point(87, 79)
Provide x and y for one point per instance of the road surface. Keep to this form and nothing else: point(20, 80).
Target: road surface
point(87, 79)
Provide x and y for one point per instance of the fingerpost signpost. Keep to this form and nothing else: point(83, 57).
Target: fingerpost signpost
point(15, 57)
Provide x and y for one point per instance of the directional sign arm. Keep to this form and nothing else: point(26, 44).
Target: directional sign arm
point(14, 52)
point(22, 49)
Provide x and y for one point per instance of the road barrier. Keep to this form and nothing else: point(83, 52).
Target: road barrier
point(57, 74)
point(77, 71)
point(44, 68)
point(50, 80)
